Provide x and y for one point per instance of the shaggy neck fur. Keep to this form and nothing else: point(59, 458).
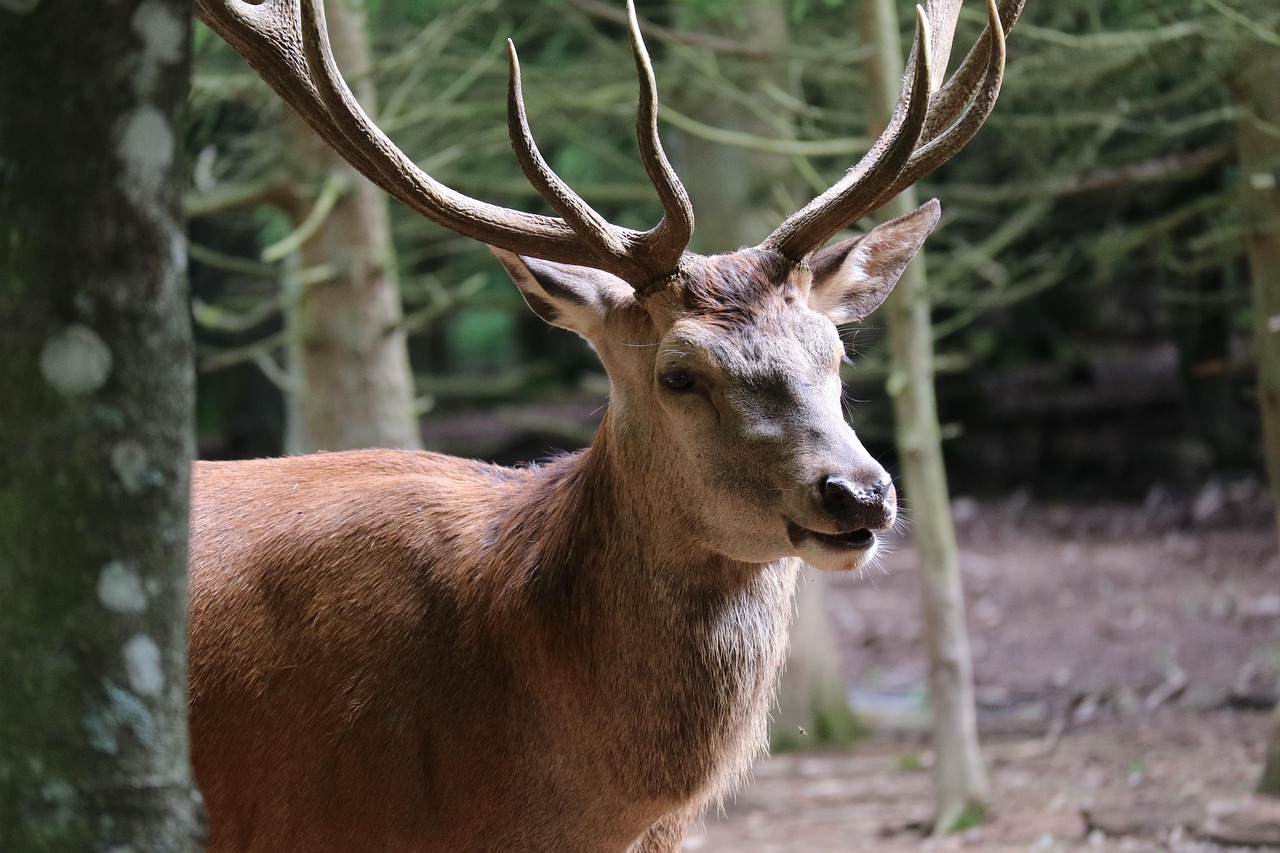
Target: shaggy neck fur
point(678, 648)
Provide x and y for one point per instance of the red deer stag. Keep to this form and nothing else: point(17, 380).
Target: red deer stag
point(407, 651)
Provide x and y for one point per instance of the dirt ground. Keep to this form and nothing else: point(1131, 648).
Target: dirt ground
point(1125, 657)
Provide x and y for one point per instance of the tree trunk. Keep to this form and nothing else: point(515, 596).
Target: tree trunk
point(1259, 150)
point(813, 699)
point(731, 189)
point(97, 425)
point(960, 782)
point(349, 362)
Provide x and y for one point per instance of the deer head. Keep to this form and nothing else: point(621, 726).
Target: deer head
point(725, 369)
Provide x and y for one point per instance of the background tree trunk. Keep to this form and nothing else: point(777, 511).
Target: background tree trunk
point(1259, 150)
point(731, 189)
point(813, 698)
point(350, 366)
point(960, 781)
point(96, 435)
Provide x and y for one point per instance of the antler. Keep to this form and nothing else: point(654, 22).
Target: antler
point(925, 131)
point(287, 43)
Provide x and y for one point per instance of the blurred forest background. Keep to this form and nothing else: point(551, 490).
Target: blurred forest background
point(1105, 289)
point(1097, 283)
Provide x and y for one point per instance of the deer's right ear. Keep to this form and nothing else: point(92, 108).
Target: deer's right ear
point(852, 278)
point(571, 297)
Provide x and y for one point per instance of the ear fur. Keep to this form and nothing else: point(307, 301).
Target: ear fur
point(571, 297)
point(852, 278)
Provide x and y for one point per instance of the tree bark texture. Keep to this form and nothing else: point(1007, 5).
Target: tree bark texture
point(731, 189)
point(959, 779)
point(353, 386)
point(1258, 96)
point(96, 423)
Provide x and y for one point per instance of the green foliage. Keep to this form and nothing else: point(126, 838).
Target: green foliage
point(481, 339)
point(800, 9)
point(273, 224)
point(834, 725)
point(411, 12)
point(837, 726)
point(1269, 783)
point(692, 13)
point(969, 818)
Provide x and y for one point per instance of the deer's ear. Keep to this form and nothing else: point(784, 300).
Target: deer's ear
point(852, 278)
point(571, 297)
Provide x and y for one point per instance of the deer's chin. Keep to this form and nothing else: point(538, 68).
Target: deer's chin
point(842, 552)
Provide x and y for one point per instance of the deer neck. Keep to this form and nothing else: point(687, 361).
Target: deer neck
point(606, 535)
point(633, 607)
point(616, 559)
point(641, 519)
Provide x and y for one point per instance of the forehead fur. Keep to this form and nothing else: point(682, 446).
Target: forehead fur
point(742, 288)
point(747, 312)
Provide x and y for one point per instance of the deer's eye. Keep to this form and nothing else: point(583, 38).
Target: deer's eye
point(677, 380)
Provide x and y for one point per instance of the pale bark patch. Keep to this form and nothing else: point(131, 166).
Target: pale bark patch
point(146, 147)
point(122, 712)
point(162, 35)
point(75, 361)
point(61, 796)
point(161, 32)
point(132, 466)
point(142, 664)
point(120, 588)
point(178, 252)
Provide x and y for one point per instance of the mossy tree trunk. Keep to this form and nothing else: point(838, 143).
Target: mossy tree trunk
point(1259, 149)
point(959, 779)
point(732, 192)
point(352, 386)
point(96, 427)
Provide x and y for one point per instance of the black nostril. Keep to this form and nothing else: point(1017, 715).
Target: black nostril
point(845, 500)
point(838, 495)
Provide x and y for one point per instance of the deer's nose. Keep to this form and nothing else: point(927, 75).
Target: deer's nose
point(862, 502)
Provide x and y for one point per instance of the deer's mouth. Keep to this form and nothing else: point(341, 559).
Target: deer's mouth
point(859, 539)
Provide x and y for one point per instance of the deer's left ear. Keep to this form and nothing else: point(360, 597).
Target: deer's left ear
point(852, 278)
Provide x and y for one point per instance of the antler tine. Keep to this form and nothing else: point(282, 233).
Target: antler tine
point(655, 252)
point(584, 220)
point(944, 144)
point(671, 235)
point(855, 195)
point(956, 93)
